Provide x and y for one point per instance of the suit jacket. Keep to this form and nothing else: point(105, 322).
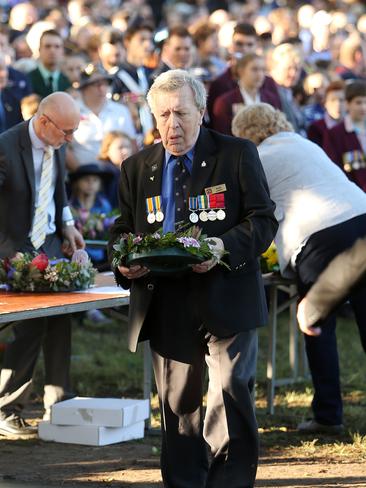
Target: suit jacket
point(118, 86)
point(229, 301)
point(17, 189)
point(316, 132)
point(345, 149)
point(226, 107)
point(12, 111)
point(18, 83)
point(42, 89)
point(161, 68)
point(18, 87)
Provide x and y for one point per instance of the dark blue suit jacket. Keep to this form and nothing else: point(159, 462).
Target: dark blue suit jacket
point(17, 88)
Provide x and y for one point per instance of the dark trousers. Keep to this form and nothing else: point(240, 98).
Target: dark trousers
point(181, 349)
point(53, 334)
point(321, 351)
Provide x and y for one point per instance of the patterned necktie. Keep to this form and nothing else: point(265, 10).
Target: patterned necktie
point(38, 235)
point(181, 179)
point(177, 183)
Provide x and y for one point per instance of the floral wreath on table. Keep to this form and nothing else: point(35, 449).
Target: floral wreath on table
point(190, 241)
point(37, 273)
point(93, 225)
point(269, 260)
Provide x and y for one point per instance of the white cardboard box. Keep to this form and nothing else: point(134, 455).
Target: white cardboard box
point(103, 412)
point(90, 435)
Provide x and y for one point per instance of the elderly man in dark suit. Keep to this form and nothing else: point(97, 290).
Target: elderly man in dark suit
point(209, 314)
point(34, 216)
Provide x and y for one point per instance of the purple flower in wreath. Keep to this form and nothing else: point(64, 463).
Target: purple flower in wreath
point(137, 240)
point(189, 242)
point(156, 236)
point(10, 273)
point(80, 257)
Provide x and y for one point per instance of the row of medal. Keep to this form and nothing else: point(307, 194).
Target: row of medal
point(203, 208)
point(154, 211)
point(353, 160)
point(207, 207)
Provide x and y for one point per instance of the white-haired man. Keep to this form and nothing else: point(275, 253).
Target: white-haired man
point(209, 314)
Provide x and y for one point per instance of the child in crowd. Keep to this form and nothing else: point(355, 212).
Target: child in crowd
point(116, 147)
point(345, 144)
point(90, 209)
point(334, 105)
point(89, 205)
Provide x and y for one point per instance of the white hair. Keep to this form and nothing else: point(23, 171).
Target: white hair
point(175, 79)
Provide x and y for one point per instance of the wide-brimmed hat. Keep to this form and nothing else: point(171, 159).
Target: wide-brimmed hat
point(92, 74)
point(90, 169)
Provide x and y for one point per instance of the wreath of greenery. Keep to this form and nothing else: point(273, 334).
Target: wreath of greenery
point(37, 273)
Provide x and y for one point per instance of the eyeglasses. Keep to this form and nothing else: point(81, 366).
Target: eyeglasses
point(66, 133)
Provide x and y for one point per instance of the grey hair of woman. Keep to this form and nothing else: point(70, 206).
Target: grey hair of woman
point(259, 121)
point(176, 79)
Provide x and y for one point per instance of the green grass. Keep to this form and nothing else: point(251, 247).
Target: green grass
point(102, 366)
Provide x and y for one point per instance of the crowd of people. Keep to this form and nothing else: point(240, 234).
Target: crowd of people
point(107, 79)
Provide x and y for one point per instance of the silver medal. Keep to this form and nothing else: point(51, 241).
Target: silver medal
point(221, 214)
point(159, 216)
point(151, 218)
point(204, 216)
point(212, 215)
point(193, 218)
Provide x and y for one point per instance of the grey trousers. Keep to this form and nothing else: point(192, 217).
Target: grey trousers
point(53, 334)
point(229, 426)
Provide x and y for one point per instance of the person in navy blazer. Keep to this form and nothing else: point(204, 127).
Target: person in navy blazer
point(250, 89)
point(18, 83)
point(13, 87)
point(210, 313)
point(334, 104)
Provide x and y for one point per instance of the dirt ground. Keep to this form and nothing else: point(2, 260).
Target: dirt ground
point(136, 464)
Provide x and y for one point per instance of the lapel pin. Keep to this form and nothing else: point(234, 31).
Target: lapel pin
point(154, 167)
point(203, 164)
point(152, 178)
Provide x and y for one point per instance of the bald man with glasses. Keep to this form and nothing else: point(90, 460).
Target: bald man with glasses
point(34, 216)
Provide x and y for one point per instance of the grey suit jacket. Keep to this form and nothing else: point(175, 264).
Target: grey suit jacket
point(17, 189)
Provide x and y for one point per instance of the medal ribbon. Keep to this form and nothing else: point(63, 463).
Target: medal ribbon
point(157, 203)
point(149, 205)
point(193, 203)
point(203, 203)
point(217, 200)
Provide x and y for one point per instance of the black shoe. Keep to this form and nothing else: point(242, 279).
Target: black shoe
point(16, 425)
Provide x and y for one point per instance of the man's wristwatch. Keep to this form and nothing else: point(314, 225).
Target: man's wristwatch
point(68, 223)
